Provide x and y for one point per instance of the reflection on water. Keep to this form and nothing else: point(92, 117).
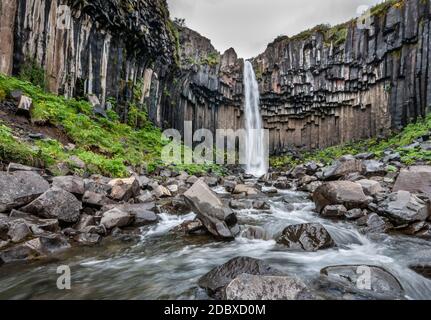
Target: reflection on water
point(164, 265)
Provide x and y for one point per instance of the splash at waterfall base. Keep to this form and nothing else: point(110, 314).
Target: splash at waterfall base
point(225, 147)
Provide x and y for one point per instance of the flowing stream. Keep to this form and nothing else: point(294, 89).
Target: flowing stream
point(166, 265)
point(255, 147)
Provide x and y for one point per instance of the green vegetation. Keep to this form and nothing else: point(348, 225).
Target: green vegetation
point(212, 59)
point(106, 146)
point(175, 37)
point(397, 143)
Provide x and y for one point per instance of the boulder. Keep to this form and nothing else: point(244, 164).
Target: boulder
point(56, 204)
point(72, 184)
point(49, 243)
point(217, 218)
point(161, 192)
point(215, 281)
point(230, 185)
point(191, 227)
point(211, 181)
point(334, 211)
point(124, 189)
point(76, 162)
point(20, 188)
point(355, 214)
point(19, 231)
point(403, 207)
point(116, 218)
point(261, 205)
point(145, 197)
point(341, 168)
point(18, 253)
point(85, 221)
point(350, 194)
point(255, 233)
point(13, 167)
point(96, 200)
point(374, 224)
point(240, 205)
point(252, 287)
point(373, 168)
point(415, 179)
point(141, 215)
point(88, 239)
point(370, 187)
point(35, 224)
point(308, 237)
point(25, 105)
point(245, 190)
point(370, 281)
point(282, 183)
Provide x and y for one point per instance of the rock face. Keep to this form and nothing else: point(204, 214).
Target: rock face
point(402, 207)
point(307, 237)
point(251, 287)
point(218, 278)
point(56, 203)
point(349, 194)
point(217, 218)
point(20, 188)
point(319, 88)
point(371, 281)
point(106, 37)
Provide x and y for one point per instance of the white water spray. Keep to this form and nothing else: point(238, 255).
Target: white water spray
point(257, 160)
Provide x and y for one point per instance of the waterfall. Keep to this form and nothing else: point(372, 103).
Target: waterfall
point(256, 159)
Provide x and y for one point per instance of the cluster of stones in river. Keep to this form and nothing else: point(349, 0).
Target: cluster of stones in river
point(42, 215)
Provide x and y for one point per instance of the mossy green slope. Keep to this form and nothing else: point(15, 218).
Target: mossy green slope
point(107, 146)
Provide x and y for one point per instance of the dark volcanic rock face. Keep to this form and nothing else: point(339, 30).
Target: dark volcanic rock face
point(317, 89)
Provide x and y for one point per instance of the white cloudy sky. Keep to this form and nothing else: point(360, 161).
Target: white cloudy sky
point(249, 25)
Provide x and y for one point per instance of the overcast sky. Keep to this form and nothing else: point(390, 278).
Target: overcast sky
point(249, 25)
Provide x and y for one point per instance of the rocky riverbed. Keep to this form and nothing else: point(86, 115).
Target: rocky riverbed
point(307, 233)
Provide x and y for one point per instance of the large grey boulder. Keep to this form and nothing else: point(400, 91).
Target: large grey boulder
point(374, 168)
point(56, 204)
point(217, 218)
point(124, 189)
point(403, 207)
point(72, 184)
point(347, 193)
point(341, 168)
point(415, 179)
point(141, 214)
point(116, 218)
point(252, 287)
point(215, 281)
point(307, 237)
point(369, 281)
point(370, 187)
point(20, 188)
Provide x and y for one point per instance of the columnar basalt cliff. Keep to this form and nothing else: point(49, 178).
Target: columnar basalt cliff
point(107, 48)
point(319, 89)
point(323, 87)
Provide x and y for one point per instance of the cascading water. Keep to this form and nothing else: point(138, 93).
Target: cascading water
point(256, 154)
